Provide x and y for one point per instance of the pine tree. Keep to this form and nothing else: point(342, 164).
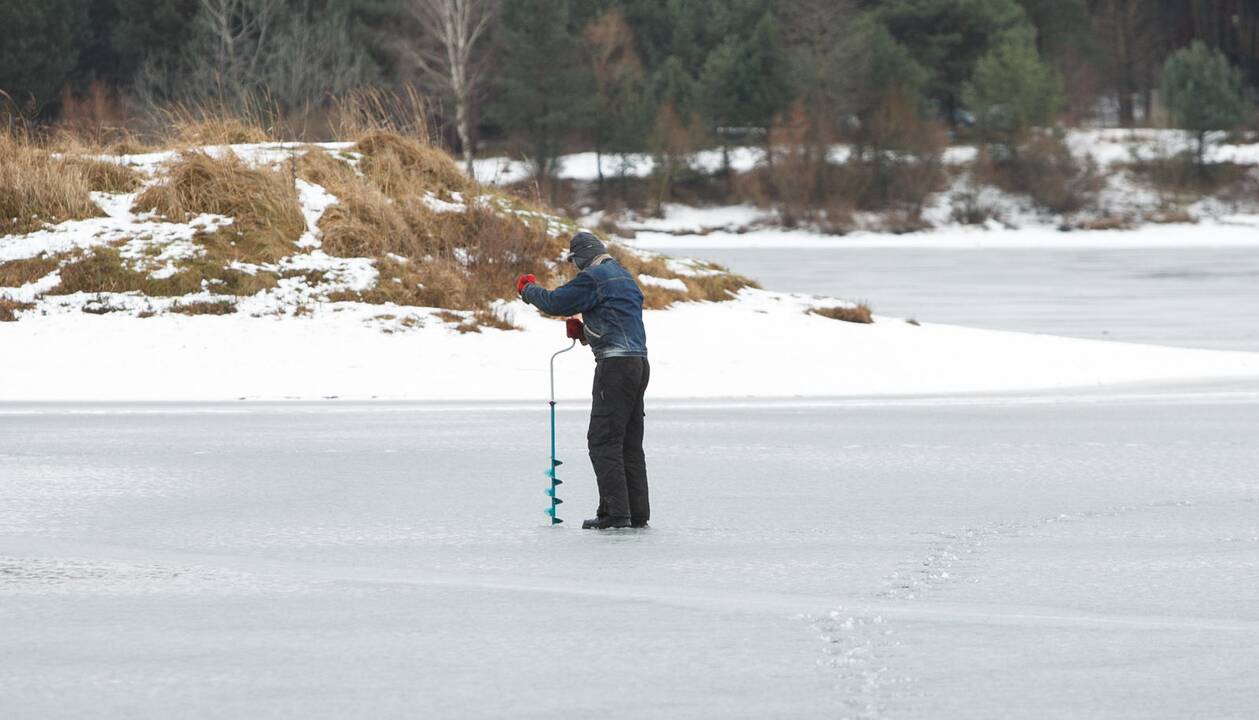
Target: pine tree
point(1011, 91)
point(40, 47)
point(545, 89)
point(1204, 92)
point(946, 38)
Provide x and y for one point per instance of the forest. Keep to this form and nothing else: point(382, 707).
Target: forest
point(535, 79)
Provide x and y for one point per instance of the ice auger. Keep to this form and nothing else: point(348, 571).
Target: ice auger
point(575, 332)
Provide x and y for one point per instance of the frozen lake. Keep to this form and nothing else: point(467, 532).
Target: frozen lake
point(1087, 556)
point(1204, 297)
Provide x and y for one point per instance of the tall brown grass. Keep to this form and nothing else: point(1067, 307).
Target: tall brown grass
point(267, 218)
point(401, 166)
point(37, 188)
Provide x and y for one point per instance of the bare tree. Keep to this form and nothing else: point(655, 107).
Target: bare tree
point(447, 54)
point(239, 30)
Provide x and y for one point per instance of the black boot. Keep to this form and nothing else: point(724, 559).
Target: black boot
point(605, 523)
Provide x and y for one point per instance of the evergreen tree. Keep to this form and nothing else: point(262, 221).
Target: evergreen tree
point(1011, 91)
point(545, 87)
point(144, 28)
point(40, 48)
point(744, 83)
point(946, 38)
point(1204, 92)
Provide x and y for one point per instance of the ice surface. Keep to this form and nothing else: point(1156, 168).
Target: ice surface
point(1091, 556)
point(1190, 297)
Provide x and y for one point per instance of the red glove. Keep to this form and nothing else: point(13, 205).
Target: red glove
point(524, 280)
point(576, 330)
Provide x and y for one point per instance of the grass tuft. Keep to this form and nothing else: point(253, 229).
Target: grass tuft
point(10, 308)
point(267, 219)
point(38, 189)
point(217, 307)
point(860, 313)
point(401, 166)
point(16, 273)
point(105, 176)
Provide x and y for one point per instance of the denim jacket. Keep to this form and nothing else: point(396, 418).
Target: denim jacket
point(610, 303)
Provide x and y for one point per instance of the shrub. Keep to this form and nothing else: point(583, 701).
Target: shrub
point(1043, 169)
point(896, 163)
point(38, 189)
point(267, 219)
point(859, 313)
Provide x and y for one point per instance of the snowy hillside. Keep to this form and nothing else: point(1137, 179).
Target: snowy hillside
point(141, 304)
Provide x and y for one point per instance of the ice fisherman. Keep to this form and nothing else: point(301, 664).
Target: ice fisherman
point(611, 306)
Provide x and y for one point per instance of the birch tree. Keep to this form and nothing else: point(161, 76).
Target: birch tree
point(454, 31)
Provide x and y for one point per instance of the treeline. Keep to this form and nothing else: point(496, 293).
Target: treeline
point(543, 77)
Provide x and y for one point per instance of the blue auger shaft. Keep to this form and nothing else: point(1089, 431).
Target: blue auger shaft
point(555, 462)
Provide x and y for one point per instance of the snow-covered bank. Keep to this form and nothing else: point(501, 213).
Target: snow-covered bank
point(762, 345)
point(1105, 146)
point(1237, 231)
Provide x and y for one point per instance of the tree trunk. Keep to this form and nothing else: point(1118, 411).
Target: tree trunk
point(463, 126)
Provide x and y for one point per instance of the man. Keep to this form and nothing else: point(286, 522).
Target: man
point(611, 306)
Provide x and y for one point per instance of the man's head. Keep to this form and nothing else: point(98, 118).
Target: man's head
point(584, 248)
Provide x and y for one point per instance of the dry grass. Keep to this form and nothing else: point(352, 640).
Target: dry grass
point(217, 131)
point(1107, 222)
point(204, 308)
point(860, 313)
point(103, 271)
point(38, 189)
point(462, 259)
point(10, 308)
point(263, 204)
point(17, 273)
point(404, 167)
point(717, 287)
point(105, 176)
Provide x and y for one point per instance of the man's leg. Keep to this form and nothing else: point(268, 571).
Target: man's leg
point(635, 459)
point(613, 400)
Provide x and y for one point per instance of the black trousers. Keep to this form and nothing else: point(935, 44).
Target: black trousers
point(616, 437)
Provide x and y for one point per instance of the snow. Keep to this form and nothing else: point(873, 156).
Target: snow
point(1237, 231)
point(763, 345)
point(666, 283)
point(314, 201)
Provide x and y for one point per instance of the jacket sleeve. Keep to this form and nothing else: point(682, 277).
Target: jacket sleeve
point(579, 295)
